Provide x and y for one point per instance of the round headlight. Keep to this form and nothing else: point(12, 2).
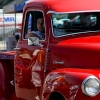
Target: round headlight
point(91, 86)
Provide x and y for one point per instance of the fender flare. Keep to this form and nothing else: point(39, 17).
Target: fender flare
point(52, 86)
point(63, 80)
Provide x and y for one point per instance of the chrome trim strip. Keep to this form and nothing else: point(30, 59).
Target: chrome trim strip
point(50, 11)
point(72, 34)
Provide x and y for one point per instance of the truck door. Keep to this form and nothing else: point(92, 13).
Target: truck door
point(29, 60)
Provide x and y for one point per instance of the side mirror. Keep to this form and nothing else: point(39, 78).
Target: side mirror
point(34, 41)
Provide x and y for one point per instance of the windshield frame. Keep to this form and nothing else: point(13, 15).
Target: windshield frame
point(73, 33)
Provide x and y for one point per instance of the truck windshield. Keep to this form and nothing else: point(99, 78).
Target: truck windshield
point(75, 23)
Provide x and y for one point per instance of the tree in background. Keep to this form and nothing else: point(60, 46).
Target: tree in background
point(4, 2)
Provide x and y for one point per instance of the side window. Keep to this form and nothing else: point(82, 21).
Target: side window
point(34, 25)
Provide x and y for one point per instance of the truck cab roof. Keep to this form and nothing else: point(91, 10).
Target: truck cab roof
point(66, 5)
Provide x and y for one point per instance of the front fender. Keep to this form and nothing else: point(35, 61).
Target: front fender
point(67, 82)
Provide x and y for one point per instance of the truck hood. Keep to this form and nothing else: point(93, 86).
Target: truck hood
point(83, 52)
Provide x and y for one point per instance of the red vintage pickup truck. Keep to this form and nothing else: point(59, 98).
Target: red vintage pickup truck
point(63, 66)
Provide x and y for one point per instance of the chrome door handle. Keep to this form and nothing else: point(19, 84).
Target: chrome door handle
point(16, 48)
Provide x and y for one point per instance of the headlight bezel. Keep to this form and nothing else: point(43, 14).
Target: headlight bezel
point(84, 85)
